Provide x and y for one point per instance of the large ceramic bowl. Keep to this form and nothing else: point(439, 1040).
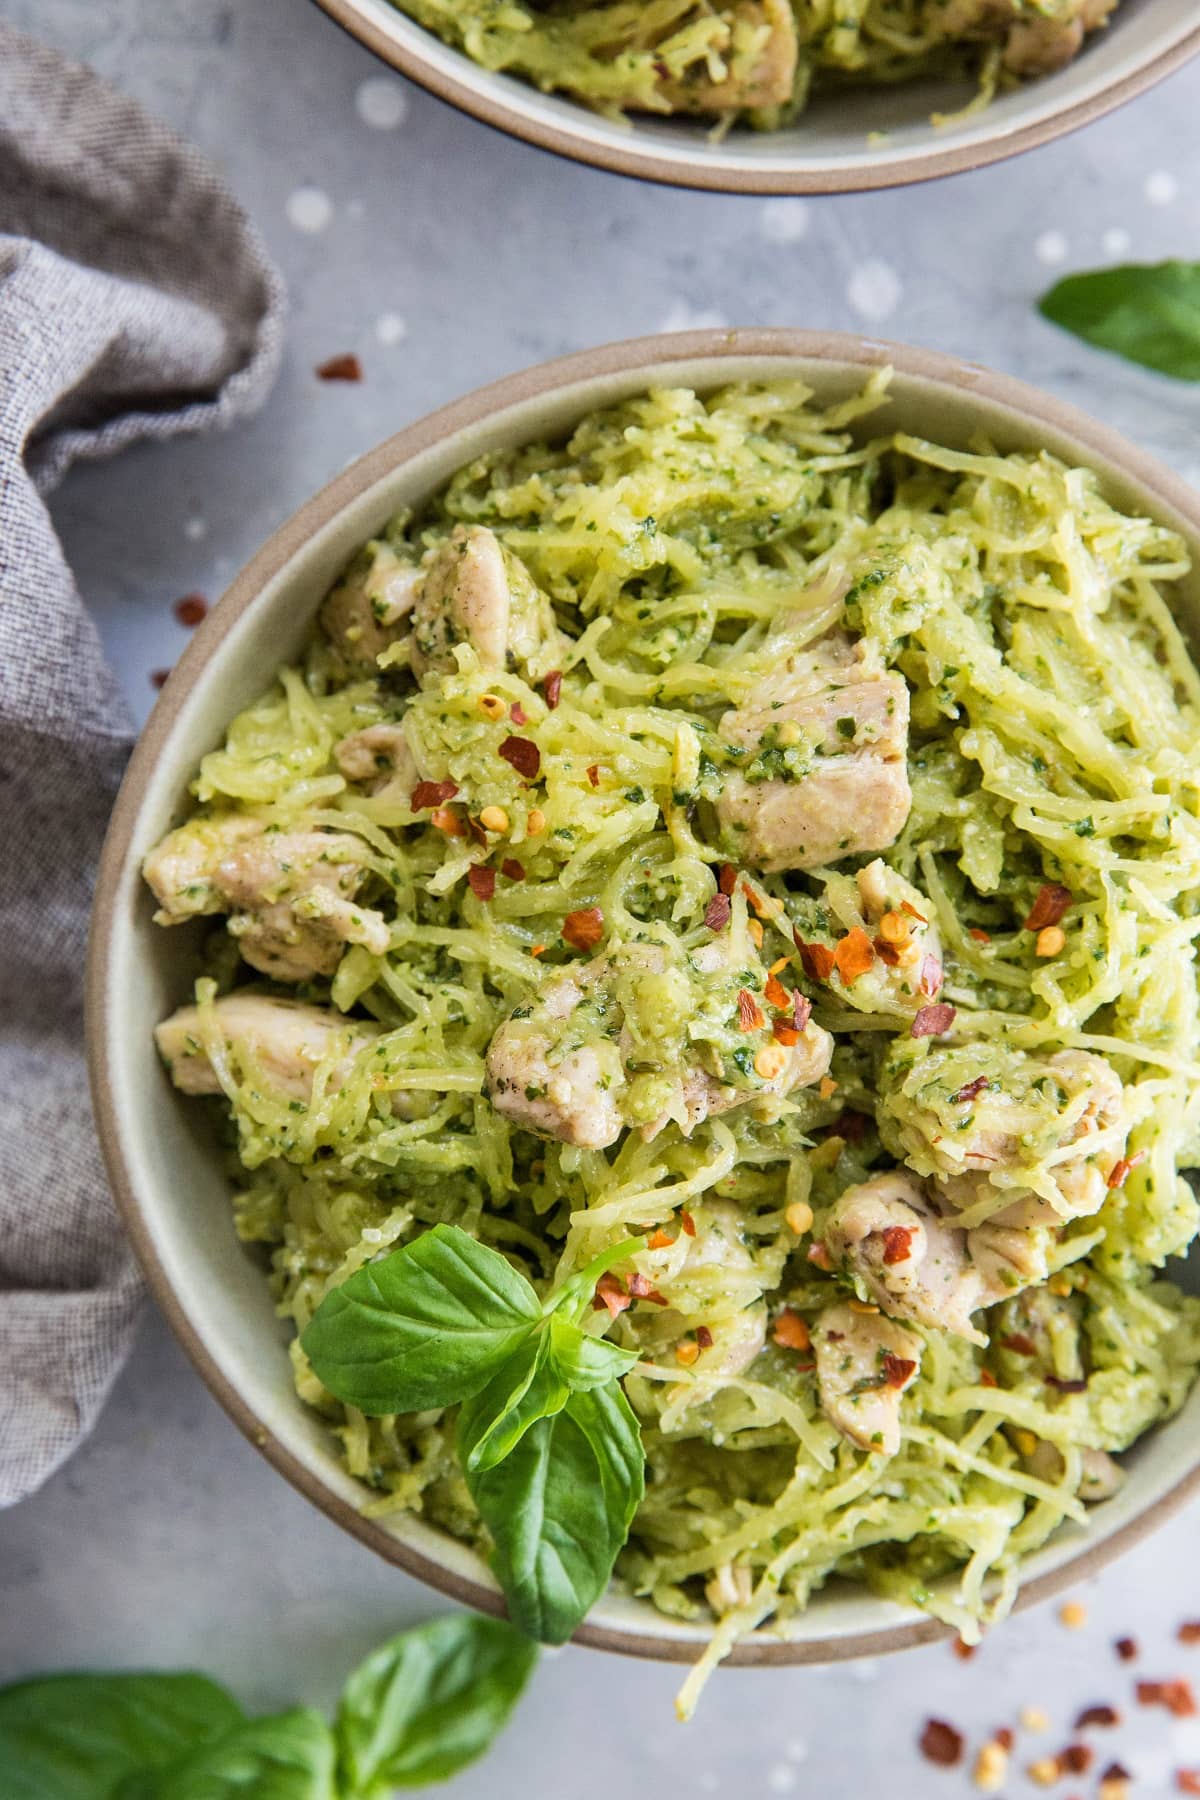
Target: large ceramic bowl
point(843, 143)
point(164, 1168)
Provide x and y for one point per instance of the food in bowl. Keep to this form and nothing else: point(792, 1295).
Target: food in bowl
point(757, 61)
point(702, 968)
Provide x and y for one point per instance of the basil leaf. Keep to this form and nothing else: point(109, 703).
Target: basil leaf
point(528, 1387)
point(287, 1757)
point(586, 1362)
point(425, 1705)
point(559, 1508)
point(1149, 313)
point(74, 1737)
point(426, 1326)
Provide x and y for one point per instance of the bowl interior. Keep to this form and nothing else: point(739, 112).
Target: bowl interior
point(858, 139)
point(167, 1172)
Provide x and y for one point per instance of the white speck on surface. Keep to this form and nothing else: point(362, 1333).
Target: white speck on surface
point(195, 528)
point(390, 328)
point(309, 209)
point(683, 317)
point(1116, 241)
point(1161, 187)
point(784, 221)
point(382, 102)
point(866, 1668)
point(781, 1779)
point(1051, 247)
point(874, 290)
point(796, 1750)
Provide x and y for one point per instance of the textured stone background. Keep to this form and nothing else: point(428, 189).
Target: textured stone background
point(445, 255)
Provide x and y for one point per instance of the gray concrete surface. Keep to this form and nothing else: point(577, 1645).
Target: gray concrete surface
point(445, 256)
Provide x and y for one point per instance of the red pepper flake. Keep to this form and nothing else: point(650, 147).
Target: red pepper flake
point(726, 878)
point(777, 994)
point(1052, 902)
point(523, 754)
point(819, 1256)
point(610, 1293)
point(1003, 1736)
point(593, 774)
point(787, 1035)
point(1076, 1759)
point(790, 1331)
point(750, 1013)
point(931, 976)
point(897, 1241)
point(1187, 1781)
point(688, 1223)
point(584, 929)
point(1120, 1171)
point(1097, 1715)
point(552, 688)
point(817, 959)
point(801, 1011)
point(340, 368)
point(513, 869)
point(482, 881)
point(1126, 1649)
point(969, 1089)
point(979, 934)
point(1065, 1385)
point(1019, 1344)
point(933, 1021)
point(477, 832)
point(642, 1288)
point(660, 1240)
point(963, 1650)
point(517, 713)
point(897, 1369)
point(716, 913)
point(1189, 1632)
point(854, 955)
point(704, 1337)
point(158, 677)
point(939, 1743)
point(987, 1379)
point(432, 793)
point(190, 610)
point(906, 906)
point(1176, 1696)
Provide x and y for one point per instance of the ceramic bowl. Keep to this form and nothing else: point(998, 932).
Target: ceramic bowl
point(843, 143)
point(164, 1167)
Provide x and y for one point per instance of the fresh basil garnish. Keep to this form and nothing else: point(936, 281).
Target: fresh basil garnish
point(1149, 313)
point(74, 1737)
point(547, 1441)
point(426, 1326)
point(417, 1711)
point(424, 1706)
point(559, 1508)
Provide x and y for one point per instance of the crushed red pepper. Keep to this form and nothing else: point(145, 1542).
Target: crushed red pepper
point(933, 1021)
point(816, 959)
point(584, 929)
point(1019, 1344)
point(340, 368)
point(897, 1369)
point(726, 878)
point(1097, 1715)
point(432, 793)
point(854, 955)
point(1126, 1649)
point(1176, 1695)
point(1189, 1632)
point(482, 881)
point(610, 1293)
point(969, 1089)
point(790, 1331)
point(513, 869)
point(1052, 902)
point(688, 1223)
point(940, 1743)
point(190, 610)
point(552, 689)
point(750, 1013)
point(704, 1337)
point(523, 754)
point(897, 1242)
point(716, 913)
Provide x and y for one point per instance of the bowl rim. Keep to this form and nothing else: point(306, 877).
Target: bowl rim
point(1170, 494)
point(467, 93)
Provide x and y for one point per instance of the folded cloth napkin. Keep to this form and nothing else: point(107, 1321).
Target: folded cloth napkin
point(135, 302)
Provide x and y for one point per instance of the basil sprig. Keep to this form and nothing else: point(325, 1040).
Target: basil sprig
point(417, 1711)
point(548, 1444)
point(1149, 313)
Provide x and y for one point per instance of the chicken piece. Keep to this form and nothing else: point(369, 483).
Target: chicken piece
point(367, 611)
point(379, 759)
point(608, 1047)
point(1041, 44)
point(285, 1039)
point(723, 1282)
point(986, 1121)
point(1099, 1479)
point(476, 592)
point(843, 721)
point(766, 31)
point(864, 1364)
point(290, 895)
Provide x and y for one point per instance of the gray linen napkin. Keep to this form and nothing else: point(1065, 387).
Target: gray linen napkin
point(135, 301)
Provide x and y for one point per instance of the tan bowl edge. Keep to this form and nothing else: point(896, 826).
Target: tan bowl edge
point(1175, 498)
point(646, 165)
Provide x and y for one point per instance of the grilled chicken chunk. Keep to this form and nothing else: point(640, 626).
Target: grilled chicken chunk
point(765, 30)
point(843, 719)
point(864, 1364)
point(369, 608)
point(286, 1040)
point(290, 895)
point(550, 1076)
point(1035, 42)
point(474, 591)
point(379, 759)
